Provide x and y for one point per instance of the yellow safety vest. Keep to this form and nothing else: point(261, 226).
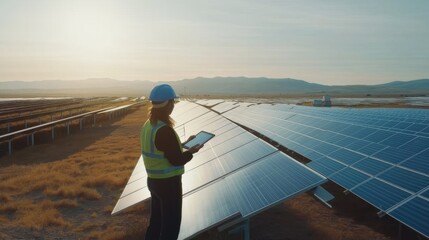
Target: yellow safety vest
point(157, 166)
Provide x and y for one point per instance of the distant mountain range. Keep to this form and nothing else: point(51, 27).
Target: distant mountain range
point(209, 86)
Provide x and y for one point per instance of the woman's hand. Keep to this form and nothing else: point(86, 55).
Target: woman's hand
point(190, 138)
point(195, 148)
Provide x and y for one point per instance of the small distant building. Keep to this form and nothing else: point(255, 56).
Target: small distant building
point(317, 103)
point(324, 102)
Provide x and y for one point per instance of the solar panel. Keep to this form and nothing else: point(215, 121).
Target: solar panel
point(224, 106)
point(235, 176)
point(380, 194)
point(415, 214)
point(210, 102)
point(418, 162)
point(381, 155)
point(245, 193)
point(225, 163)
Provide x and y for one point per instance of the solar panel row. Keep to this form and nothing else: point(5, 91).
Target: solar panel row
point(382, 156)
point(235, 176)
point(224, 106)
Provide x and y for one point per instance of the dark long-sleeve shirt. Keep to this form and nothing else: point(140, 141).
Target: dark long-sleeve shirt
point(166, 141)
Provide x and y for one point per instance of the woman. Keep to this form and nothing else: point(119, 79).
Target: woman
point(164, 161)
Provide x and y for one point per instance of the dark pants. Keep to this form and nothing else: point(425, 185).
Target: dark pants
point(165, 208)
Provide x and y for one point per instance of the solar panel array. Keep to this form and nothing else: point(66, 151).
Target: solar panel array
point(235, 176)
point(381, 155)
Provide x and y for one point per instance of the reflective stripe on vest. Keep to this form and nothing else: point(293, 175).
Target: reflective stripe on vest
point(157, 166)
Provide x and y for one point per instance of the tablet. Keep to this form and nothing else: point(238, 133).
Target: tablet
point(201, 138)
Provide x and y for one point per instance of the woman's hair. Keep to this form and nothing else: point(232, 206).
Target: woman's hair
point(161, 114)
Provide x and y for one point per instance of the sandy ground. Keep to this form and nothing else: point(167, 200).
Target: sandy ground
point(116, 146)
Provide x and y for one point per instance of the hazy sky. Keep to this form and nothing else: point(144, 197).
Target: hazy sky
point(323, 41)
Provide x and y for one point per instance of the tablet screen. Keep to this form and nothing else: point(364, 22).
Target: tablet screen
point(201, 138)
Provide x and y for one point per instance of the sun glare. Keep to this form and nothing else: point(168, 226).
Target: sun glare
point(92, 29)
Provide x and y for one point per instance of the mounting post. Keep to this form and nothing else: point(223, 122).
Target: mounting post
point(242, 228)
point(10, 147)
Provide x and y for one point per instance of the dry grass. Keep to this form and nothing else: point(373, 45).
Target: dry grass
point(37, 215)
point(73, 192)
point(4, 198)
point(74, 180)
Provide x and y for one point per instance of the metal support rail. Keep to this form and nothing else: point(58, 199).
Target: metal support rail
point(32, 130)
point(75, 105)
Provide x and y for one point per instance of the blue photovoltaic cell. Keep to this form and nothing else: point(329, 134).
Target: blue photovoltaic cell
point(345, 141)
point(398, 139)
point(246, 154)
point(205, 208)
point(301, 149)
point(213, 127)
point(270, 180)
point(393, 155)
point(379, 136)
point(414, 213)
point(232, 143)
point(316, 133)
point(371, 149)
point(326, 166)
point(332, 164)
point(426, 130)
point(402, 125)
point(200, 158)
point(363, 133)
point(371, 166)
point(219, 130)
point(426, 194)
point(184, 118)
point(406, 179)
point(350, 130)
point(358, 144)
point(199, 123)
point(312, 155)
point(202, 175)
point(380, 194)
point(419, 162)
point(338, 127)
point(335, 138)
point(218, 139)
point(346, 156)
point(225, 106)
point(417, 127)
point(348, 178)
point(325, 148)
point(320, 168)
point(309, 142)
point(416, 145)
point(389, 124)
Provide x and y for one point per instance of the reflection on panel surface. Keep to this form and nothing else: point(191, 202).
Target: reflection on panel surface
point(381, 155)
point(253, 188)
